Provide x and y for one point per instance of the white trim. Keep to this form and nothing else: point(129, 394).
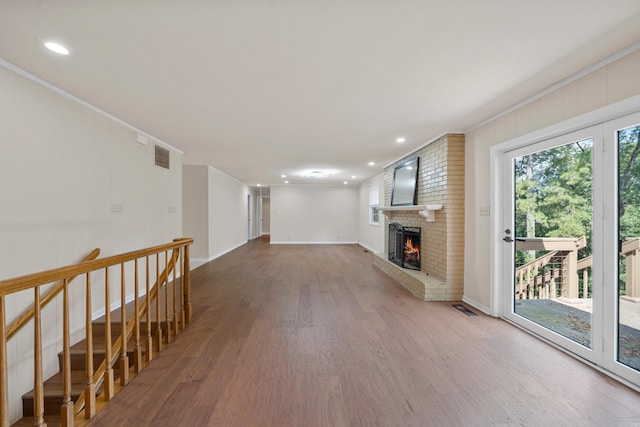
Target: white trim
point(197, 262)
point(600, 64)
point(369, 248)
point(596, 117)
point(476, 305)
point(9, 66)
point(315, 243)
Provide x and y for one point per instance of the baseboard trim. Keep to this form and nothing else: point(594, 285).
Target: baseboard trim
point(197, 262)
point(313, 243)
point(476, 305)
point(369, 248)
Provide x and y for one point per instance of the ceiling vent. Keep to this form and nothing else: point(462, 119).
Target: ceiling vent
point(162, 157)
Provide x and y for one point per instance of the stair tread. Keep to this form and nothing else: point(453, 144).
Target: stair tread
point(51, 420)
point(53, 386)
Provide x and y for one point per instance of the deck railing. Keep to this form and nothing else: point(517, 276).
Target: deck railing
point(560, 274)
point(175, 316)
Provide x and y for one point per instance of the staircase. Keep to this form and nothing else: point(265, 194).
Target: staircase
point(53, 387)
point(94, 370)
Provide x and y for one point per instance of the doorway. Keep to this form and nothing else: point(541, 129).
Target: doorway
point(266, 215)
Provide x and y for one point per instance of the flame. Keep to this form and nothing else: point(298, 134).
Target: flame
point(411, 251)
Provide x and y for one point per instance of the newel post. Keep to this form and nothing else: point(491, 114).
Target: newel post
point(187, 283)
point(38, 381)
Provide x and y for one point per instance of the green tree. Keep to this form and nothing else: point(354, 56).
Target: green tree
point(553, 194)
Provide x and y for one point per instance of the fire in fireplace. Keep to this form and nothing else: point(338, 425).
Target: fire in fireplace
point(404, 246)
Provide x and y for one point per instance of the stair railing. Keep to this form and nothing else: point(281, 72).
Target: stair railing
point(104, 374)
point(179, 249)
point(28, 314)
point(552, 275)
point(534, 277)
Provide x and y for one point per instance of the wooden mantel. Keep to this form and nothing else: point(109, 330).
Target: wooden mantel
point(427, 211)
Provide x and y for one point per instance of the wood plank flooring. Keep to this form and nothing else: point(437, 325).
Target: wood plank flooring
point(314, 335)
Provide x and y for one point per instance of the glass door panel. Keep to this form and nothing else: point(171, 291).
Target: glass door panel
point(628, 286)
point(552, 235)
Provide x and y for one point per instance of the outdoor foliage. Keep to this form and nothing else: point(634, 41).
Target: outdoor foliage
point(554, 192)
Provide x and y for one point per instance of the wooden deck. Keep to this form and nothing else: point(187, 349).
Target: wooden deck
point(308, 335)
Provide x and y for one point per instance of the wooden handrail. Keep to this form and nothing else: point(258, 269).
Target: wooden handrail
point(541, 261)
point(28, 281)
point(585, 262)
point(19, 323)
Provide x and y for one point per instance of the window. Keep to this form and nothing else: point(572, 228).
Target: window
point(374, 205)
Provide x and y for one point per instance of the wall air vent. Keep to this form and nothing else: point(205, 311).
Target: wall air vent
point(162, 157)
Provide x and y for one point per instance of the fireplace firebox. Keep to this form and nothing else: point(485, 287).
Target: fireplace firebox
point(404, 246)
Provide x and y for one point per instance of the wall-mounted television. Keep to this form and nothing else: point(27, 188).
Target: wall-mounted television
point(405, 181)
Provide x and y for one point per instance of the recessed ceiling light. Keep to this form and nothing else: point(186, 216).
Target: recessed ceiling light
point(57, 48)
point(283, 176)
point(286, 182)
point(353, 177)
point(318, 173)
point(400, 140)
point(259, 185)
point(372, 163)
point(346, 182)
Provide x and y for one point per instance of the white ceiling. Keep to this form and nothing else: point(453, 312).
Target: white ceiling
point(260, 88)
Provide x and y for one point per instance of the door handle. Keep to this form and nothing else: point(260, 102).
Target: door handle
point(508, 239)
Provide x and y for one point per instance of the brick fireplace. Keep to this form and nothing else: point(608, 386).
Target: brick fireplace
point(440, 182)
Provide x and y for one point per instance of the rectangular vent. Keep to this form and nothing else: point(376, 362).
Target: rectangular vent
point(162, 157)
point(464, 309)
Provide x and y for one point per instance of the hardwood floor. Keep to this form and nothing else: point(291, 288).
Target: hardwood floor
point(316, 336)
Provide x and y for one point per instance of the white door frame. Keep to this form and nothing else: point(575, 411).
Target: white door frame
point(500, 282)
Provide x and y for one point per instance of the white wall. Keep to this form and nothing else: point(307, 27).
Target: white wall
point(314, 214)
point(371, 236)
point(216, 212)
point(604, 86)
point(228, 213)
point(62, 168)
point(195, 202)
